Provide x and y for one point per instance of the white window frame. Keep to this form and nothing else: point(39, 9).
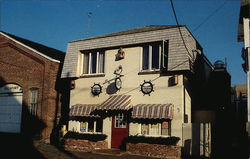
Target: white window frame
point(150, 58)
point(90, 63)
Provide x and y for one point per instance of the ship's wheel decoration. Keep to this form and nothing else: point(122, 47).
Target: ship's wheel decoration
point(96, 89)
point(147, 87)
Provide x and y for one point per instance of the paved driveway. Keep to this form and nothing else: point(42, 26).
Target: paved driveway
point(51, 152)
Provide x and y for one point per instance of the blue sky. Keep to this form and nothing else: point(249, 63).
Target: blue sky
point(56, 22)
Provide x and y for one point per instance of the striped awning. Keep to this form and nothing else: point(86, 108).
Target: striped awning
point(86, 110)
point(153, 111)
point(116, 102)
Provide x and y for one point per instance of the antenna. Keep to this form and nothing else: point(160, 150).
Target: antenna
point(89, 16)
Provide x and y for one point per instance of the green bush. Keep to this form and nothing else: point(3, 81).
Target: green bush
point(153, 140)
point(80, 136)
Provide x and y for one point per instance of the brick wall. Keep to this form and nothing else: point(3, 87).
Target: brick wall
point(84, 145)
point(26, 68)
point(154, 150)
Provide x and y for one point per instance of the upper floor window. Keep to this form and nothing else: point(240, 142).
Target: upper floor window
point(93, 62)
point(154, 55)
point(33, 101)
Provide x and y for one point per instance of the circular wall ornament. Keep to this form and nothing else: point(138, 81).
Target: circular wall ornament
point(118, 83)
point(147, 87)
point(96, 89)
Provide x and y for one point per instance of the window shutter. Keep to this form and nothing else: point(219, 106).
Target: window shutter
point(164, 57)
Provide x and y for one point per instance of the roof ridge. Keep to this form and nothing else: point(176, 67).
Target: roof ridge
point(132, 31)
point(43, 49)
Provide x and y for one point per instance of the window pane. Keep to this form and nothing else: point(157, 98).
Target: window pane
point(33, 101)
point(154, 130)
point(144, 129)
point(85, 63)
point(145, 58)
point(99, 125)
point(101, 62)
point(91, 126)
point(83, 126)
point(93, 62)
point(165, 128)
point(155, 56)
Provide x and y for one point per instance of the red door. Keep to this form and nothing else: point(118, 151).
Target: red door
point(120, 129)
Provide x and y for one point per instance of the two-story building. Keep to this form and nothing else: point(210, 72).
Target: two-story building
point(135, 82)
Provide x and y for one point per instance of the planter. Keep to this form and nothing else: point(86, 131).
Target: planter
point(84, 145)
point(154, 150)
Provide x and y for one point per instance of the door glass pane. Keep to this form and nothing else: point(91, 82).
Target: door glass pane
point(120, 121)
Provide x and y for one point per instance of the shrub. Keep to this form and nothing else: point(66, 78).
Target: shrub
point(80, 136)
point(153, 140)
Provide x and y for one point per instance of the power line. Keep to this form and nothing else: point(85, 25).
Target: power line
point(176, 19)
point(209, 16)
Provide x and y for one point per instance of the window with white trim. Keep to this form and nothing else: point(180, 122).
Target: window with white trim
point(92, 126)
point(33, 101)
point(156, 129)
point(93, 62)
point(154, 56)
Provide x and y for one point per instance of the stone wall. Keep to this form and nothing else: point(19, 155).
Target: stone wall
point(84, 145)
point(154, 150)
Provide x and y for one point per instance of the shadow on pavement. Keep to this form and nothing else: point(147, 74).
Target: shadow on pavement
point(14, 146)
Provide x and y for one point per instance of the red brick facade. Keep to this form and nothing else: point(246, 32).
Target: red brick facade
point(84, 145)
point(25, 67)
point(154, 150)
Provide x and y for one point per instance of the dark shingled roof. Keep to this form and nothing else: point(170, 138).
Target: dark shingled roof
point(132, 31)
point(48, 51)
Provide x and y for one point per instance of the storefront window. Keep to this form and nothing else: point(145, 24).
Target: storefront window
point(83, 126)
point(144, 129)
point(156, 129)
point(93, 125)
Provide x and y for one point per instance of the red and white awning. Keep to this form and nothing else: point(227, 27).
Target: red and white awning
point(153, 111)
point(86, 110)
point(116, 102)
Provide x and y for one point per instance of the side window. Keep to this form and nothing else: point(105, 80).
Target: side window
point(33, 101)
